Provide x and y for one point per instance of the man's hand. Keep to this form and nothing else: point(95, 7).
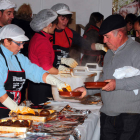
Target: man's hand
point(83, 90)
point(110, 86)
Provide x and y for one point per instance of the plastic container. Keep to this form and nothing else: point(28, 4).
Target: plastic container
point(89, 68)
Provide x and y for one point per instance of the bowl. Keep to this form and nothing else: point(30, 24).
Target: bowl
point(95, 85)
point(70, 94)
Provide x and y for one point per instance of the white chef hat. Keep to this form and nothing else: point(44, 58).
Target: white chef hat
point(43, 19)
point(14, 32)
point(6, 4)
point(61, 9)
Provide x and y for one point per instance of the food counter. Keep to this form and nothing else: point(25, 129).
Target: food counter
point(88, 130)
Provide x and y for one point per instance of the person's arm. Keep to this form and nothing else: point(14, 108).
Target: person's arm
point(131, 83)
point(86, 45)
point(3, 97)
point(10, 104)
point(80, 41)
point(52, 80)
point(53, 70)
point(37, 74)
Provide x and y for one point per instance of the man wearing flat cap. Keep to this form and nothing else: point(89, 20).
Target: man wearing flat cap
point(6, 12)
point(120, 112)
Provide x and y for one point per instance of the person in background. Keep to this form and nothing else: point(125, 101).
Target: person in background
point(120, 112)
point(41, 53)
point(6, 12)
point(23, 19)
point(92, 35)
point(16, 68)
point(137, 27)
point(130, 19)
point(64, 37)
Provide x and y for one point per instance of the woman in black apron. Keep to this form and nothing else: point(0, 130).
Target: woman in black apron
point(16, 68)
point(65, 38)
point(41, 53)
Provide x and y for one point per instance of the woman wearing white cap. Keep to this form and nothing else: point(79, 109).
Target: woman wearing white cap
point(16, 68)
point(41, 53)
point(65, 37)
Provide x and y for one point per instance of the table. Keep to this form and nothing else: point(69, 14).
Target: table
point(90, 129)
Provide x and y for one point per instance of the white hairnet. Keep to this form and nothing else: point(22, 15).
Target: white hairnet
point(61, 9)
point(14, 32)
point(6, 4)
point(43, 19)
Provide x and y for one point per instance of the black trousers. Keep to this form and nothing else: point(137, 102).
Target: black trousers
point(125, 126)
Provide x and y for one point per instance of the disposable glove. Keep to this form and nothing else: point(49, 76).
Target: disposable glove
point(69, 61)
point(63, 69)
point(52, 80)
point(10, 104)
point(99, 46)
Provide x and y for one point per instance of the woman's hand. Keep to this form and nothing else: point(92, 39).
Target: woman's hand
point(110, 86)
point(69, 61)
point(83, 90)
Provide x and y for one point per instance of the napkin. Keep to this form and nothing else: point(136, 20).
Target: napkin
point(127, 71)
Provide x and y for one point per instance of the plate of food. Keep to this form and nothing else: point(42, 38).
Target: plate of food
point(69, 93)
point(95, 85)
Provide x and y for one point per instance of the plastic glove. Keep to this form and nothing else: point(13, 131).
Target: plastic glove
point(69, 61)
point(10, 104)
point(52, 80)
point(63, 69)
point(99, 46)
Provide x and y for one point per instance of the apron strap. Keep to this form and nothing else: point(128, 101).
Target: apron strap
point(18, 62)
point(67, 36)
point(3, 57)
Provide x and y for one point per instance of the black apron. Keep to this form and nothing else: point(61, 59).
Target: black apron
point(13, 86)
point(38, 92)
point(59, 51)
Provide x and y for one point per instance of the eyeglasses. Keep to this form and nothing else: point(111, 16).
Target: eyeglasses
point(19, 44)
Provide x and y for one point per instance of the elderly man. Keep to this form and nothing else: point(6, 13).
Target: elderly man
point(137, 26)
point(120, 113)
point(6, 12)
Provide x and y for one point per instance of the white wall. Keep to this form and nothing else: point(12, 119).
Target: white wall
point(83, 8)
